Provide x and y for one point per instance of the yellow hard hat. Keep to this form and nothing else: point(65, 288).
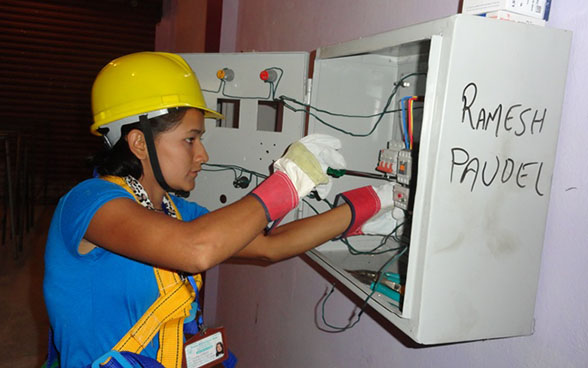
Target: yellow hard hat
point(143, 83)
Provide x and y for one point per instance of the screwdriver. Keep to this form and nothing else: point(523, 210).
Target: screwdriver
point(337, 173)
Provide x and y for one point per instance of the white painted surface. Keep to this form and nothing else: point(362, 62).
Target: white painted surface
point(271, 313)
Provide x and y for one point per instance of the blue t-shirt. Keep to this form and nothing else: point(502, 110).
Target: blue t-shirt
point(93, 300)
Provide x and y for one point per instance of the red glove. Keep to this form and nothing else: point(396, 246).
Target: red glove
point(371, 210)
point(277, 195)
point(302, 169)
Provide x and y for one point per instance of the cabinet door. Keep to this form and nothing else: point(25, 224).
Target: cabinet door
point(483, 213)
point(483, 155)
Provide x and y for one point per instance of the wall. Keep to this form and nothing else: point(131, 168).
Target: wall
point(272, 313)
point(182, 26)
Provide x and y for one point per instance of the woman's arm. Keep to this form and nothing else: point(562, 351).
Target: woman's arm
point(127, 228)
point(124, 227)
point(298, 236)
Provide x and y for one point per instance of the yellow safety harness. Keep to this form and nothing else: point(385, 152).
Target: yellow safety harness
point(166, 315)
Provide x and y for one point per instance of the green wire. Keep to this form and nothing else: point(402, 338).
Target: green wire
point(217, 90)
point(374, 251)
point(249, 98)
point(273, 87)
point(352, 250)
point(380, 115)
point(381, 272)
point(234, 168)
point(306, 108)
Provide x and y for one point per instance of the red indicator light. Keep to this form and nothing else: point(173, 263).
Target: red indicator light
point(268, 75)
point(264, 75)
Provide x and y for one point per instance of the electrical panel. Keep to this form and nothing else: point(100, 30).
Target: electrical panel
point(461, 114)
point(256, 128)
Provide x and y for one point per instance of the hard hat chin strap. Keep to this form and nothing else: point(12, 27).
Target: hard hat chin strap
point(148, 133)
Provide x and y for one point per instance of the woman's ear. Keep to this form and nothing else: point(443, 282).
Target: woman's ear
point(137, 144)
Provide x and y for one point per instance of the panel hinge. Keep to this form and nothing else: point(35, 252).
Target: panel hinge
point(308, 91)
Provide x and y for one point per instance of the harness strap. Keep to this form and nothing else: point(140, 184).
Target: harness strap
point(166, 315)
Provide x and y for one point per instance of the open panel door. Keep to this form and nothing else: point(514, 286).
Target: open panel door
point(483, 134)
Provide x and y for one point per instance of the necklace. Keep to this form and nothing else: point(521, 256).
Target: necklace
point(143, 198)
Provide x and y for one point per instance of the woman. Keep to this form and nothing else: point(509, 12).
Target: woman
point(116, 248)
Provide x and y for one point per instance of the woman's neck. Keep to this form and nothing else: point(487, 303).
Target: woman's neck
point(154, 191)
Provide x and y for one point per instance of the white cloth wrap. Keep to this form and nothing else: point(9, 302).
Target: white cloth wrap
point(307, 167)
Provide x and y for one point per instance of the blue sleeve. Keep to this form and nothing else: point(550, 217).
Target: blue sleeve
point(189, 210)
point(77, 208)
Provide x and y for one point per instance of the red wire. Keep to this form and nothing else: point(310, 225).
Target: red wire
point(410, 116)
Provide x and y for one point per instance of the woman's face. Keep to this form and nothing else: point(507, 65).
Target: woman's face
point(180, 151)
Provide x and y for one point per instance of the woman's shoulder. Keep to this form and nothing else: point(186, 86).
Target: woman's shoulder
point(77, 207)
point(188, 209)
point(95, 189)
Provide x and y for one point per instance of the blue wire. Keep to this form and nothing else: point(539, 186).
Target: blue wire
point(404, 120)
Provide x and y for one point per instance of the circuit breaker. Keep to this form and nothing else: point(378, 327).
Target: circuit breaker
point(460, 114)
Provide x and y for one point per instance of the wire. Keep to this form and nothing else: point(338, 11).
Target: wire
point(235, 168)
point(405, 122)
point(375, 251)
point(410, 121)
point(222, 81)
point(333, 113)
point(410, 109)
point(273, 87)
point(407, 107)
point(381, 272)
point(239, 171)
point(307, 109)
point(269, 95)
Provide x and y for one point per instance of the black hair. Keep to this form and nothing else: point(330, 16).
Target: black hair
point(118, 160)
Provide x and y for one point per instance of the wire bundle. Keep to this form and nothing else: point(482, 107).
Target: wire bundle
point(381, 272)
point(406, 105)
point(308, 109)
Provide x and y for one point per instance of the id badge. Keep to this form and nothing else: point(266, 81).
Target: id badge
point(205, 349)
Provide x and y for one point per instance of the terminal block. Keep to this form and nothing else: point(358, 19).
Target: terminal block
point(404, 169)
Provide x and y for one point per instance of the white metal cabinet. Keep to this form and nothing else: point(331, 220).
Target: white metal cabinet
point(481, 189)
point(246, 146)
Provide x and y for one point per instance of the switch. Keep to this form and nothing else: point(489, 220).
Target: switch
point(388, 161)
